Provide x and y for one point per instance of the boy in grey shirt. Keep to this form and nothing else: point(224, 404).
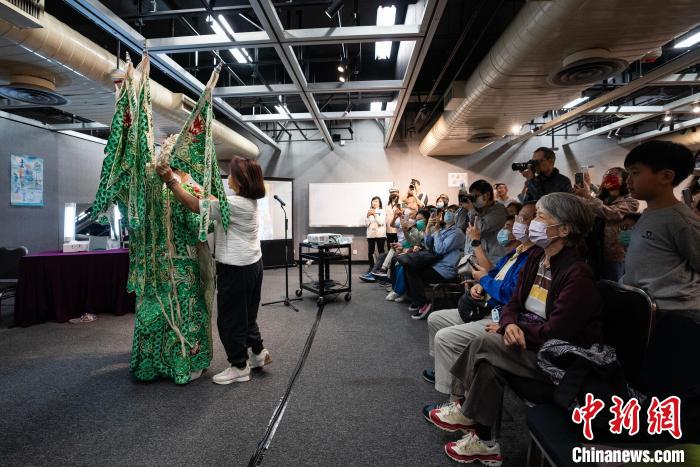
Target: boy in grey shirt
point(663, 257)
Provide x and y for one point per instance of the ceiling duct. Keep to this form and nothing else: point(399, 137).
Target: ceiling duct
point(587, 67)
point(549, 53)
point(32, 90)
point(483, 135)
point(84, 73)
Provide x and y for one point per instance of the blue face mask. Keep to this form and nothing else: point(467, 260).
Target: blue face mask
point(449, 217)
point(503, 237)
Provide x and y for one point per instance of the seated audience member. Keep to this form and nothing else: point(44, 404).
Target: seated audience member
point(556, 298)
point(694, 187)
point(502, 194)
point(663, 258)
point(628, 222)
point(487, 217)
point(376, 232)
point(414, 232)
point(606, 255)
point(449, 331)
point(446, 244)
point(544, 178)
point(514, 208)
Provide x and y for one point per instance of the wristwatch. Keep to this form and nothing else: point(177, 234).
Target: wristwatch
point(476, 243)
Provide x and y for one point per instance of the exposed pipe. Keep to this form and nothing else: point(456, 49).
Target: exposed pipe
point(59, 43)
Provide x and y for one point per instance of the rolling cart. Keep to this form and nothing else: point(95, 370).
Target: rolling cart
point(325, 255)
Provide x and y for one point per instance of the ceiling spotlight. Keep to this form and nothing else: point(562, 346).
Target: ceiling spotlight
point(515, 129)
point(341, 78)
point(667, 117)
point(696, 108)
point(341, 68)
point(334, 8)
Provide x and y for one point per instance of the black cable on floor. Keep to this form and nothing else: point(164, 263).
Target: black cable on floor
point(276, 418)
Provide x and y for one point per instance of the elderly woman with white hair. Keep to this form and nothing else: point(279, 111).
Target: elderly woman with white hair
point(556, 298)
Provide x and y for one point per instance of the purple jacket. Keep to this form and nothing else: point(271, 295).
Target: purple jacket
point(573, 306)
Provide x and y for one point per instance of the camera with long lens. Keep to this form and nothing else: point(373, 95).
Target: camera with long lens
point(466, 197)
point(520, 166)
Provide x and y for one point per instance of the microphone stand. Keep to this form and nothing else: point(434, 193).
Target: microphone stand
point(286, 300)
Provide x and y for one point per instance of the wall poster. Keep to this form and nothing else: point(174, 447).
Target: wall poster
point(26, 181)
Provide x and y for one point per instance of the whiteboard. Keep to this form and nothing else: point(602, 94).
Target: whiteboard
point(270, 214)
point(343, 204)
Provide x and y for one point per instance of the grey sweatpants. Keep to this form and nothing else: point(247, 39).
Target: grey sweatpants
point(448, 336)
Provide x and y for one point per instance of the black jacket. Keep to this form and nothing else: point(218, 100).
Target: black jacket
point(542, 185)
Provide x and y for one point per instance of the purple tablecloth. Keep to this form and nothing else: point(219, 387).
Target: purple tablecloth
point(56, 286)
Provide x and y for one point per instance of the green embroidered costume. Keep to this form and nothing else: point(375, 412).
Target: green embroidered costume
point(171, 270)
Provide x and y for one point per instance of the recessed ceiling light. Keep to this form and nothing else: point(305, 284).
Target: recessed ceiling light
point(375, 106)
point(696, 108)
point(386, 16)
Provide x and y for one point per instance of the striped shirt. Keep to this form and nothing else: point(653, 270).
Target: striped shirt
point(537, 298)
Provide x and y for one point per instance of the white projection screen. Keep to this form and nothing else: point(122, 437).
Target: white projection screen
point(343, 204)
point(270, 215)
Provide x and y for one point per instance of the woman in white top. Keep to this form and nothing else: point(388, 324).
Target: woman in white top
point(239, 269)
point(376, 229)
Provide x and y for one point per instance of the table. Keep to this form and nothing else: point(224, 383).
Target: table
point(324, 256)
point(57, 286)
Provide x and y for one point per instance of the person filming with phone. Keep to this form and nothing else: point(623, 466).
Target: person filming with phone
point(486, 218)
point(541, 177)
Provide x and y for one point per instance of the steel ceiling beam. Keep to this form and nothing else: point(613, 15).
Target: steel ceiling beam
point(428, 25)
point(682, 79)
point(78, 126)
point(316, 88)
point(680, 63)
point(659, 110)
point(265, 11)
point(627, 109)
point(103, 17)
point(654, 133)
point(352, 34)
point(296, 37)
point(306, 116)
point(256, 90)
point(208, 42)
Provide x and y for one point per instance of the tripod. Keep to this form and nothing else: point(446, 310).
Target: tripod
point(286, 300)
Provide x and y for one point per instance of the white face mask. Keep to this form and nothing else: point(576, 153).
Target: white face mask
point(538, 233)
point(520, 232)
point(440, 205)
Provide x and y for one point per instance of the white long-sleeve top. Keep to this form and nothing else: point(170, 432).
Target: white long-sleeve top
point(376, 224)
point(239, 245)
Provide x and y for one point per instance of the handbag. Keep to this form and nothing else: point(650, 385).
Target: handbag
point(418, 260)
point(470, 309)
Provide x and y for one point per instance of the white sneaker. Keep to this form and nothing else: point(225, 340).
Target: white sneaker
point(232, 375)
point(400, 299)
point(449, 417)
point(260, 360)
point(388, 288)
point(392, 296)
point(471, 449)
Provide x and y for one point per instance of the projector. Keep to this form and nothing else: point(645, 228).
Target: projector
point(323, 238)
point(75, 247)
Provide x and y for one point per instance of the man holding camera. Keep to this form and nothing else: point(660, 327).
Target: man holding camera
point(542, 178)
